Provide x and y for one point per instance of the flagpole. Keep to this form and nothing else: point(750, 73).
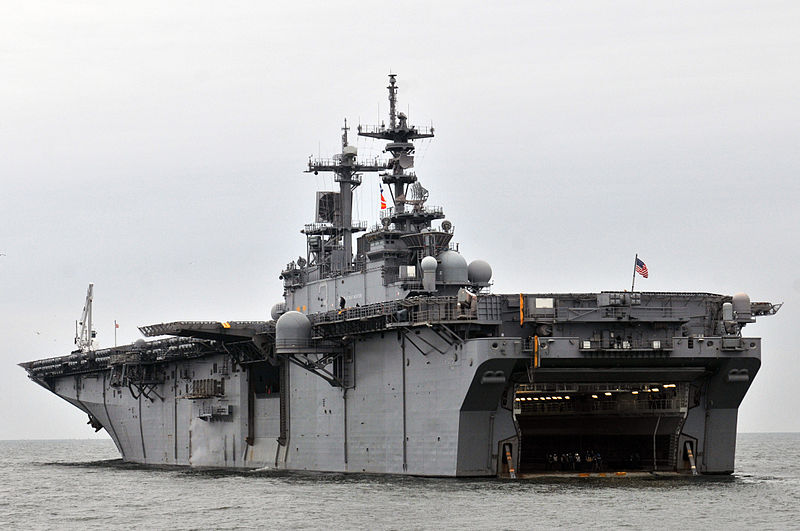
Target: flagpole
point(115, 333)
point(633, 281)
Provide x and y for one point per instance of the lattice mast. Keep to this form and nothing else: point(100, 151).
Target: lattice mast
point(347, 172)
point(399, 134)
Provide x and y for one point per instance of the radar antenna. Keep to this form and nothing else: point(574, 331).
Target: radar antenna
point(418, 196)
point(324, 239)
point(400, 136)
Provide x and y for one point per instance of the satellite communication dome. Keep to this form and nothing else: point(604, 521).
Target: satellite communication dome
point(429, 263)
point(741, 305)
point(277, 310)
point(293, 329)
point(453, 268)
point(479, 272)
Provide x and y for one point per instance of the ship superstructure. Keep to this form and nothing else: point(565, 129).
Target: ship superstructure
point(396, 357)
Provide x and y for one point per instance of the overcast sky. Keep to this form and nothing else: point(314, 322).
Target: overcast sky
point(157, 149)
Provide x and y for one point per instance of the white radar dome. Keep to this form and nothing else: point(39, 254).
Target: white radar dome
point(428, 263)
point(741, 305)
point(292, 329)
point(479, 272)
point(277, 310)
point(453, 268)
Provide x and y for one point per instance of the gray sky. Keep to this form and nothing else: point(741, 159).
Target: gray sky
point(156, 149)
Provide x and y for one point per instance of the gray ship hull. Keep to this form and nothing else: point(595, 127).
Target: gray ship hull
point(413, 403)
point(398, 419)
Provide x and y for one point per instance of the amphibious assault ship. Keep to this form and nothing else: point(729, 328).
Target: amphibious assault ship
point(396, 357)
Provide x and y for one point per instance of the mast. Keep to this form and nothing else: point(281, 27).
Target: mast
point(399, 135)
point(347, 172)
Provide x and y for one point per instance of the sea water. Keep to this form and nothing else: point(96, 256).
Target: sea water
point(82, 484)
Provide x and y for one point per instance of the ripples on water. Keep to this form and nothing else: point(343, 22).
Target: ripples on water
point(83, 484)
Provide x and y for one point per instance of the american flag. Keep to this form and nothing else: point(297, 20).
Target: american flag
point(383, 201)
point(641, 268)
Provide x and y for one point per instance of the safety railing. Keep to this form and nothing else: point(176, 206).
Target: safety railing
point(434, 210)
point(415, 310)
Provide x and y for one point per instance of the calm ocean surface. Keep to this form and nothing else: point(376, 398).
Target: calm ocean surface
point(84, 484)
